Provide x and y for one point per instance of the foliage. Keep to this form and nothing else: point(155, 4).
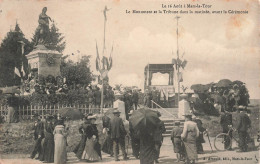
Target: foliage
point(55, 39)
point(77, 73)
point(11, 56)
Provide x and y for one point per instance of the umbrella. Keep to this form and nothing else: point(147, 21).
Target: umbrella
point(144, 119)
point(199, 88)
point(224, 83)
point(73, 114)
point(11, 90)
point(217, 98)
point(237, 82)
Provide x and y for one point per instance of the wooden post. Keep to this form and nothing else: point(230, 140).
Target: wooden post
point(23, 111)
point(31, 112)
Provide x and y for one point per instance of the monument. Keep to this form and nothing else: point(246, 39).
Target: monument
point(46, 62)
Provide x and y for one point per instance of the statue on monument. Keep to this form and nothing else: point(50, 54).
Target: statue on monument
point(42, 30)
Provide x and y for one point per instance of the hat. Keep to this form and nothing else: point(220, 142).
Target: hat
point(92, 117)
point(241, 108)
point(176, 123)
point(131, 112)
point(187, 115)
point(116, 111)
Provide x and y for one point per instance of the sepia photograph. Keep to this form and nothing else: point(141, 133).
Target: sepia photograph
point(129, 82)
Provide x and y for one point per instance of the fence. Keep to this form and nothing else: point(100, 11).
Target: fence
point(27, 112)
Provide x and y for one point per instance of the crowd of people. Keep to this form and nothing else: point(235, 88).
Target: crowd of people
point(51, 138)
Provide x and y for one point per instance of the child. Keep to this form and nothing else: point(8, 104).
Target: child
point(176, 140)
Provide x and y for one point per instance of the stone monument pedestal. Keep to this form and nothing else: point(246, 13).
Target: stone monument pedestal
point(120, 105)
point(184, 107)
point(46, 61)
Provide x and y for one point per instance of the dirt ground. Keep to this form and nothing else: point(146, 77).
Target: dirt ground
point(167, 156)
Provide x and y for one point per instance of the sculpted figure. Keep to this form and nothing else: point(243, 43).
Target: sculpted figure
point(42, 30)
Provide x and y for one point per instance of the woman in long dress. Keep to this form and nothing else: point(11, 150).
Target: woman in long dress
point(60, 135)
point(48, 145)
point(83, 131)
point(189, 136)
point(92, 151)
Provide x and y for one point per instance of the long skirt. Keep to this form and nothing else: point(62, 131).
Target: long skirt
point(80, 147)
point(191, 150)
point(60, 153)
point(89, 152)
point(108, 145)
point(147, 150)
point(48, 149)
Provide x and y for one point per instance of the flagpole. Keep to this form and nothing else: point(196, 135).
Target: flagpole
point(178, 67)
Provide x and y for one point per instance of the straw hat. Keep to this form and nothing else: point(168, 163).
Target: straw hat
point(116, 111)
point(131, 112)
point(92, 117)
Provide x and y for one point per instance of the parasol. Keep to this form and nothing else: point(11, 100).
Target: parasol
point(199, 88)
point(73, 114)
point(144, 119)
point(224, 83)
point(217, 98)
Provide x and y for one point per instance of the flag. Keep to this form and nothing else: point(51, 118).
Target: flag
point(97, 59)
point(180, 77)
point(110, 59)
point(29, 71)
point(17, 72)
point(184, 63)
point(22, 69)
point(105, 63)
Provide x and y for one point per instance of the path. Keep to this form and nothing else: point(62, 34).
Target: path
point(167, 157)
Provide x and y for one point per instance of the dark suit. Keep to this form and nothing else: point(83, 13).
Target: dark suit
point(118, 134)
point(225, 120)
point(38, 136)
point(243, 124)
point(158, 138)
point(135, 141)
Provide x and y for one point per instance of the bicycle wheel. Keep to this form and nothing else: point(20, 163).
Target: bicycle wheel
point(221, 140)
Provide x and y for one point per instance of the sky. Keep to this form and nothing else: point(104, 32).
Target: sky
point(216, 46)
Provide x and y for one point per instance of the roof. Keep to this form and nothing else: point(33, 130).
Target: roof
point(159, 67)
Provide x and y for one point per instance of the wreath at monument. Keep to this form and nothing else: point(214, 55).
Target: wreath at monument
point(50, 60)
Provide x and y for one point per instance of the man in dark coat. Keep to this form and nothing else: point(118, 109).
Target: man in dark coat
point(108, 144)
point(242, 126)
point(38, 136)
point(200, 139)
point(118, 133)
point(135, 140)
point(158, 138)
point(225, 122)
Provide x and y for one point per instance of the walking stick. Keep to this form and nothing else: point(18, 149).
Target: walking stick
point(209, 142)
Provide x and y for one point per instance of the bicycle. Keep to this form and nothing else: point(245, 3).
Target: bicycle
point(223, 141)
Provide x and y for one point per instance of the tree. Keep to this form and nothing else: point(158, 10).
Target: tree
point(11, 56)
point(77, 73)
point(55, 39)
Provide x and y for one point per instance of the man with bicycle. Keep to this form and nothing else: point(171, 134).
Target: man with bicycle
point(225, 122)
point(244, 123)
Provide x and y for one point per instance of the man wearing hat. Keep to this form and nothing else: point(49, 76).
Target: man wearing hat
point(242, 126)
point(158, 137)
point(135, 140)
point(38, 135)
point(118, 134)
